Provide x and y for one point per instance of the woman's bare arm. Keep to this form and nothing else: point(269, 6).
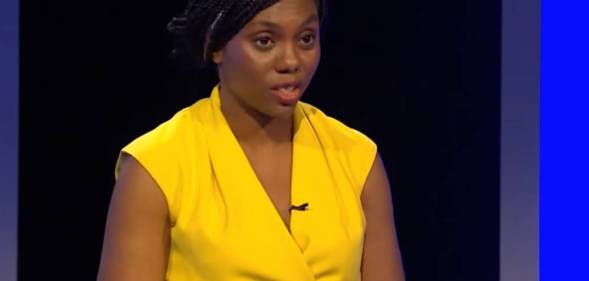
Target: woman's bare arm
point(136, 242)
point(381, 260)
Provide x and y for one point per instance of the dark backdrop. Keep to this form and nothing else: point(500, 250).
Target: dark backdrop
point(419, 77)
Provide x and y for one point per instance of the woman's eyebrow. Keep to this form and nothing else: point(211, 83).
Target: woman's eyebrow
point(273, 26)
point(310, 19)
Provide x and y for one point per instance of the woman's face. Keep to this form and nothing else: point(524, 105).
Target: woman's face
point(267, 66)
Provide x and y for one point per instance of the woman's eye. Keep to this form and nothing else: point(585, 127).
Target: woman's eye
point(264, 42)
point(308, 39)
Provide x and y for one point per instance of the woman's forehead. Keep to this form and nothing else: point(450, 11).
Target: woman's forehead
point(287, 12)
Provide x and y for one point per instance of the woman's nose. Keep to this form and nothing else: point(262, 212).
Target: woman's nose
point(289, 61)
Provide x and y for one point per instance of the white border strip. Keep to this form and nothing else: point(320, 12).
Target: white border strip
point(520, 140)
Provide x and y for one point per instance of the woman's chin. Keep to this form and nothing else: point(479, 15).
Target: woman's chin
point(282, 111)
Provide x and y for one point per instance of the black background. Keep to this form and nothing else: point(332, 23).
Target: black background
point(421, 78)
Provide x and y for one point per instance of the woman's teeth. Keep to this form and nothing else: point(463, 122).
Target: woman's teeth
point(287, 89)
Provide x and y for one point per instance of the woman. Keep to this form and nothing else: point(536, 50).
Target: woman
point(251, 184)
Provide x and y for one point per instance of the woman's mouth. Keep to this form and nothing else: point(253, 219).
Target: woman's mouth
point(287, 93)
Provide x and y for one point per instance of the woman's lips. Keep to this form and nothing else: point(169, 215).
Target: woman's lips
point(287, 94)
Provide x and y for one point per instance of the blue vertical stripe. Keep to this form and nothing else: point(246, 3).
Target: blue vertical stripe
point(8, 137)
point(564, 141)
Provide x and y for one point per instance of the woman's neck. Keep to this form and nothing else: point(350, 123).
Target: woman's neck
point(253, 128)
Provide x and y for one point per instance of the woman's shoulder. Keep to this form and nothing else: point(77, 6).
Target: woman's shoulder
point(340, 134)
point(165, 153)
point(351, 148)
point(172, 132)
point(167, 141)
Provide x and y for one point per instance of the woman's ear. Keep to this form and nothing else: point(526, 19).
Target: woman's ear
point(217, 57)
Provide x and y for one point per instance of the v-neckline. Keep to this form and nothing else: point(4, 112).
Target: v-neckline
point(233, 173)
point(244, 164)
point(260, 185)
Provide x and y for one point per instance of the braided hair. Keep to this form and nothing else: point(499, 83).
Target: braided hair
point(206, 26)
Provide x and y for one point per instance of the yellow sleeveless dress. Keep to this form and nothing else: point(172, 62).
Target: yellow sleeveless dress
point(224, 225)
